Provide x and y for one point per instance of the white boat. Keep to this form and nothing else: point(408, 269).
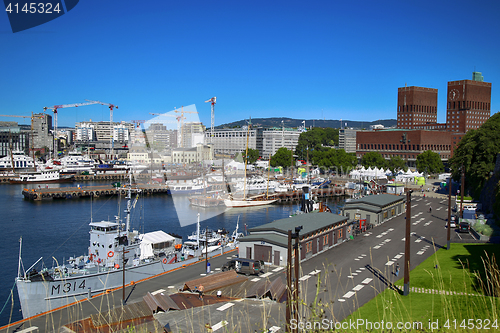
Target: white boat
point(258, 200)
point(17, 160)
point(39, 177)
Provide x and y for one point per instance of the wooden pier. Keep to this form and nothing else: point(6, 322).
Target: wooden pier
point(39, 194)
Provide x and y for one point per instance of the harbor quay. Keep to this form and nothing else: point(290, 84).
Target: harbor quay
point(350, 274)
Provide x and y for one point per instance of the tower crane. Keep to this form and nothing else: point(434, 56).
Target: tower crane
point(62, 106)
point(180, 119)
point(212, 100)
point(111, 107)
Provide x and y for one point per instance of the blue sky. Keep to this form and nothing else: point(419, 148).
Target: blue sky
point(298, 59)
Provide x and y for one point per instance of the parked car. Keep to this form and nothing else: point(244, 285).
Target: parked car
point(463, 227)
point(453, 223)
point(245, 266)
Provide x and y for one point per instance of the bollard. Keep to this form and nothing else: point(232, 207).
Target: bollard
point(89, 293)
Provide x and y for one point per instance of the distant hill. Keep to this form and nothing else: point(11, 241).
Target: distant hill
point(276, 122)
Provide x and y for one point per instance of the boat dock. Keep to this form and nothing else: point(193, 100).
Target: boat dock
point(49, 193)
point(318, 193)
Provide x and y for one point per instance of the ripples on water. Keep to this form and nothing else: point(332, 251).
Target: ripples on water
point(59, 228)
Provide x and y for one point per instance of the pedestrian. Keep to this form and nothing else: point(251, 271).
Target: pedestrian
point(200, 290)
point(219, 294)
point(397, 269)
point(430, 209)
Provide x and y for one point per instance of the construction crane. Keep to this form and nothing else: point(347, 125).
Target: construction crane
point(62, 106)
point(111, 107)
point(137, 122)
point(180, 119)
point(212, 100)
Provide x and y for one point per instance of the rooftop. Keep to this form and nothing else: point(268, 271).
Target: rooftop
point(380, 200)
point(310, 222)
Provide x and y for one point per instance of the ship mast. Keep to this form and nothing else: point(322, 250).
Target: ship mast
point(246, 159)
point(129, 197)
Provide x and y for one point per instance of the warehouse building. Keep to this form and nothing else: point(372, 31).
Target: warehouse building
point(269, 242)
point(375, 209)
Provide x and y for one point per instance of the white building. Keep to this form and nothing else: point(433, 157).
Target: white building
point(121, 133)
point(231, 141)
point(192, 155)
point(85, 132)
point(275, 138)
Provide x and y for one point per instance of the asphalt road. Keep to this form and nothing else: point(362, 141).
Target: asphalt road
point(350, 274)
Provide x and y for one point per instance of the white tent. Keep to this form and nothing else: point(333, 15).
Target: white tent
point(149, 240)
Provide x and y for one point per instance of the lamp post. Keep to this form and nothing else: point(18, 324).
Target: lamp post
point(406, 289)
point(296, 287)
point(449, 217)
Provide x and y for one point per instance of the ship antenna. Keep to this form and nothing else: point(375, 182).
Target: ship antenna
point(19, 264)
point(129, 196)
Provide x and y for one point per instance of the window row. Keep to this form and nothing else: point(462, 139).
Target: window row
point(382, 146)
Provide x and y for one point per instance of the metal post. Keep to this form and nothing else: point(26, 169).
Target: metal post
point(462, 190)
point(406, 289)
point(206, 251)
point(449, 217)
point(289, 283)
point(296, 289)
point(123, 270)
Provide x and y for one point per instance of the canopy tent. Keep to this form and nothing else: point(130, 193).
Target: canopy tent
point(155, 240)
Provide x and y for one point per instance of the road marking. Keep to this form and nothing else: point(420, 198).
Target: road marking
point(225, 306)
point(255, 279)
point(358, 271)
point(414, 206)
point(315, 272)
point(379, 236)
point(439, 208)
point(239, 300)
point(420, 253)
point(278, 269)
point(219, 325)
point(389, 263)
point(354, 273)
point(397, 256)
point(366, 281)
point(305, 277)
point(363, 255)
point(349, 294)
point(266, 274)
point(203, 274)
point(428, 203)
point(377, 247)
point(362, 268)
point(158, 291)
point(351, 277)
point(274, 329)
point(358, 287)
point(229, 257)
point(426, 224)
point(341, 300)
point(368, 234)
point(418, 240)
point(387, 240)
point(357, 259)
point(403, 239)
point(217, 269)
point(170, 287)
point(391, 229)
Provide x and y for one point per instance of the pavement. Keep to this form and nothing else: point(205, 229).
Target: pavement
point(342, 279)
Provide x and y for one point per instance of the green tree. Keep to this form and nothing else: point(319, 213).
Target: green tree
point(373, 159)
point(429, 162)
point(337, 158)
point(396, 164)
point(283, 158)
point(315, 139)
point(253, 155)
point(477, 152)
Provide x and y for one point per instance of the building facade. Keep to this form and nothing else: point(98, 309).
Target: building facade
point(12, 137)
point(407, 144)
point(231, 141)
point(269, 242)
point(468, 105)
point(274, 138)
point(416, 106)
point(347, 139)
point(42, 131)
point(375, 209)
point(192, 155)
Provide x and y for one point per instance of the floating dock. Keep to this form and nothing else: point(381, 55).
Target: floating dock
point(38, 194)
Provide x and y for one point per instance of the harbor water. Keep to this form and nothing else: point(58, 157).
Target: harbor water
point(58, 229)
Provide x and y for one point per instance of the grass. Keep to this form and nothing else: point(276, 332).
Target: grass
point(449, 288)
